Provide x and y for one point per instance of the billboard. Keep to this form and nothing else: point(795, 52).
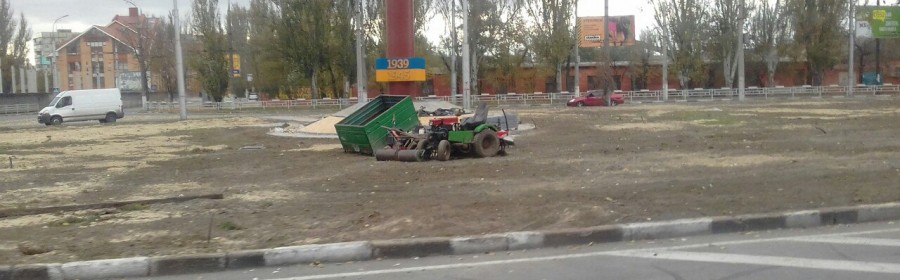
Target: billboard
point(591, 33)
point(130, 81)
point(883, 21)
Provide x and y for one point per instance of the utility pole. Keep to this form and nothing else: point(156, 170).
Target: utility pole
point(877, 51)
point(230, 54)
point(577, 56)
point(179, 61)
point(740, 53)
point(1, 75)
point(467, 88)
point(851, 78)
point(362, 80)
point(454, 88)
point(609, 64)
point(665, 69)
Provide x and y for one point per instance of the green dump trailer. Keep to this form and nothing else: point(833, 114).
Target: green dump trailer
point(364, 131)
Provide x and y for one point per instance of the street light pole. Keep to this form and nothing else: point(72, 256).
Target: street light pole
point(467, 81)
point(851, 78)
point(179, 62)
point(362, 80)
point(54, 58)
point(577, 55)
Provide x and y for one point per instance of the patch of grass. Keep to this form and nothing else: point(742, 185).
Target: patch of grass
point(707, 118)
point(77, 220)
point(134, 207)
point(200, 150)
point(228, 225)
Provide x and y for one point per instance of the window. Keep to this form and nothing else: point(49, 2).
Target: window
point(593, 83)
point(72, 49)
point(550, 85)
point(65, 101)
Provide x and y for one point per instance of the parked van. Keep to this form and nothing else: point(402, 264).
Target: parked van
point(104, 105)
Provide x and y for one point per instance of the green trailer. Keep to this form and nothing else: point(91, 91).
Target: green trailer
point(364, 131)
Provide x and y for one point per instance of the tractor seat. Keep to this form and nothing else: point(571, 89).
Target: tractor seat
point(479, 118)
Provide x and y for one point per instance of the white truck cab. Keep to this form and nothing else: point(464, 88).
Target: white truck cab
point(104, 105)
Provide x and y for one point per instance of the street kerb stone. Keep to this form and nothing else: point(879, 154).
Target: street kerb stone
point(172, 265)
point(30, 271)
point(524, 240)
point(405, 248)
point(669, 229)
point(839, 215)
point(880, 212)
point(336, 252)
point(244, 259)
point(5, 272)
point(803, 219)
point(748, 223)
point(601, 234)
point(105, 269)
point(479, 244)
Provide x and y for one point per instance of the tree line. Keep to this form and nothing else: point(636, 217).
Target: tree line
point(305, 48)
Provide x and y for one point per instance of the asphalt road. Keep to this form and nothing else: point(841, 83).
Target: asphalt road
point(867, 251)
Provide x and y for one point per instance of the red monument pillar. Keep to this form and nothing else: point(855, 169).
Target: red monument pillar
point(401, 40)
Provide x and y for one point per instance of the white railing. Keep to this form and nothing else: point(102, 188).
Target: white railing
point(19, 108)
point(553, 98)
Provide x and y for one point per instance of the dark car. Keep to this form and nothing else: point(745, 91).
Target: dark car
point(595, 100)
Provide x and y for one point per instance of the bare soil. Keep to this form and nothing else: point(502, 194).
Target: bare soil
point(579, 167)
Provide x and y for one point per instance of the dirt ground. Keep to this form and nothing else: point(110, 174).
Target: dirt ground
point(579, 167)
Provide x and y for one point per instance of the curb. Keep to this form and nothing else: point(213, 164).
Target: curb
point(422, 247)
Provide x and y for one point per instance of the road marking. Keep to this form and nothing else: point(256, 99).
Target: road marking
point(766, 261)
point(850, 241)
point(630, 253)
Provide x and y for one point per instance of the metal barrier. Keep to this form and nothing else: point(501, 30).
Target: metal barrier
point(19, 108)
point(547, 98)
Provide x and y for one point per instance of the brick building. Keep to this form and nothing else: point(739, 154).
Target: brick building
point(103, 56)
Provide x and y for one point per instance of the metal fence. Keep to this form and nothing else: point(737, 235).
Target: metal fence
point(553, 98)
point(19, 108)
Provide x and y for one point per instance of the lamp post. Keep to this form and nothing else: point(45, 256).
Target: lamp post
point(53, 59)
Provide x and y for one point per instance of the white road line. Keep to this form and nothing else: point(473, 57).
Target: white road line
point(850, 241)
point(583, 255)
point(767, 261)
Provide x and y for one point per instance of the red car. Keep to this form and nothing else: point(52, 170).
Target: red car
point(595, 100)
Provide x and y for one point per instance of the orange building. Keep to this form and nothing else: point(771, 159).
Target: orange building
point(104, 56)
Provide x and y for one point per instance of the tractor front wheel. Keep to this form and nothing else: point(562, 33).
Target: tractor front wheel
point(443, 151)
point(487, 144)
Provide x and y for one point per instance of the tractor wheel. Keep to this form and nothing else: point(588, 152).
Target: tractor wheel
point(422, 144)
point(443, 151)
point(487, 144)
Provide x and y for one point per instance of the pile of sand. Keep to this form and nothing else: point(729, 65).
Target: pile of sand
point(323, 126)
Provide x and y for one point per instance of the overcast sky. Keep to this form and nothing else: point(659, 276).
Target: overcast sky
point(84, 13)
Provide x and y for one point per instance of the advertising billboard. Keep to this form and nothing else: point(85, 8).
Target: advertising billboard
point(591, 33)
point(130, 81)
point(883, 21)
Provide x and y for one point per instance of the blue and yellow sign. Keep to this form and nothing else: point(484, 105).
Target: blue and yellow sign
point(400, 70)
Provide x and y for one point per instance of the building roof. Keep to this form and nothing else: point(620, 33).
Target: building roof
point(114, 33)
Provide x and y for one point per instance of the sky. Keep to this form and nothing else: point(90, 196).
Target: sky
point(82, 14)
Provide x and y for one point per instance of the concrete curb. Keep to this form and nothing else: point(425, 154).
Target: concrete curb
point(421, 247)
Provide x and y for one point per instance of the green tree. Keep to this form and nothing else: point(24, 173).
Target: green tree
point(210, 64)
point(551, 33)
point(819, 32)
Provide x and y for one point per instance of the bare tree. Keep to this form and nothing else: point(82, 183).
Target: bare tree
point(685, 23)
point(728, 18)
point(770, 34)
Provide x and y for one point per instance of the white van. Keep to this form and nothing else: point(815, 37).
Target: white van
point(104, 105)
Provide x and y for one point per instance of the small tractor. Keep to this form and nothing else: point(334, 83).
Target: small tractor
point(446, 136)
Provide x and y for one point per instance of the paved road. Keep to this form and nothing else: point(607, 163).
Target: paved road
point(868, 251)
